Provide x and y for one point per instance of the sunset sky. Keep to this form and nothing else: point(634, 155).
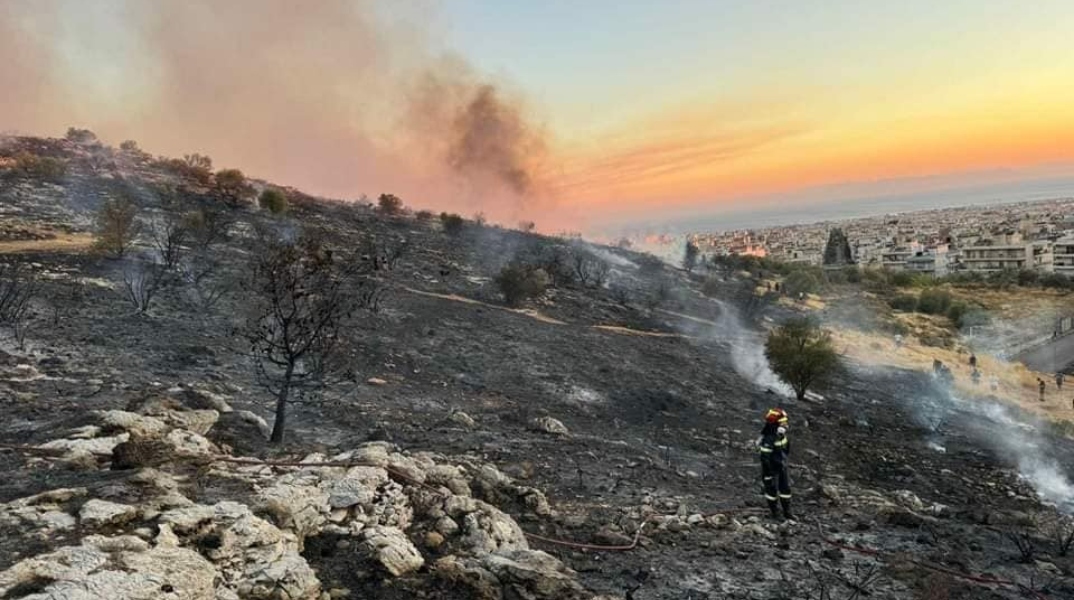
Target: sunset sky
point(645, 110)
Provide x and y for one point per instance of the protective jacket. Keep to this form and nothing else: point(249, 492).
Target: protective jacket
point(774, 448)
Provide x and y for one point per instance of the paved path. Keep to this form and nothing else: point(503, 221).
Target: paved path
point(1056, 355)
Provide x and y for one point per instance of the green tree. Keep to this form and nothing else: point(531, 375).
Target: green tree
point(802, 355)
point(801, 282)
point(521, 282)
point(273, 200)
point(117, 226)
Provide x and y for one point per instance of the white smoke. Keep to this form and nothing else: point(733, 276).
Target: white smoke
point(1020, 444)
point(746, 345)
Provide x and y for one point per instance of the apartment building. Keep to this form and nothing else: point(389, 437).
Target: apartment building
point(1008, 251)
point(1063, 256)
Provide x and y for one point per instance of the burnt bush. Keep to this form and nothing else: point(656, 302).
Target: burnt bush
point(389, 204)
point(452, 223)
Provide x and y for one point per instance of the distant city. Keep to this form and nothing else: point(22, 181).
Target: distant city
point(1036, 235)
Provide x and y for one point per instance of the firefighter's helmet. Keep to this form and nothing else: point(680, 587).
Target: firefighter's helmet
point(776, 415)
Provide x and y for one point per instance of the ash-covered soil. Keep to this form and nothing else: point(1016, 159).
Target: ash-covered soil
point(661, 427)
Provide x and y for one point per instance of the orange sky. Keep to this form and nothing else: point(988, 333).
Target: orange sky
point(694, 107)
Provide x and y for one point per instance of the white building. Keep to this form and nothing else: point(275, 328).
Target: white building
point(1008, 251)
point(1063, 256)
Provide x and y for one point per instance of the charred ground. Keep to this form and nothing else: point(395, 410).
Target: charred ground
point(660, 421)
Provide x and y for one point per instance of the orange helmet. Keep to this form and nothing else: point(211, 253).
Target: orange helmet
point(776, 415)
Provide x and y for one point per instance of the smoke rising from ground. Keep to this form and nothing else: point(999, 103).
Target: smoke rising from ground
point(331, 96)
point(1017, 440)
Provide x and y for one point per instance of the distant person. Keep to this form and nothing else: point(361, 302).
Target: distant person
point(1040, 385)
point(937, 366)
point(773, 449)
point(801, 296)
point(973, 361)
point(898, 340)
point(994, 381)
point(1059, 381)
point(976, 376)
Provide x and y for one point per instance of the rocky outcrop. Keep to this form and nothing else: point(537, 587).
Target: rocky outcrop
point(549, 425)
point(250, 548)
point(118, 568)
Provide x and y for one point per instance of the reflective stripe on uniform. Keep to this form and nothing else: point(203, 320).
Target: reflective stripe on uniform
point(766, 450)
point(770, 498)
point(785, 496)
point(769, 478)
point(780, 443)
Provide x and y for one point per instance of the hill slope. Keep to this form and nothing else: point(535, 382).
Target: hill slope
point(447, 388)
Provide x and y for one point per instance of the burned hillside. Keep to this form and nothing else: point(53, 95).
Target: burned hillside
point(592, 437)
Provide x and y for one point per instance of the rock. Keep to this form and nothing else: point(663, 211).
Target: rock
point(121, 568)
point(433, 540)
point(462, 419)
point(900, 517)
point(297, 503)
point(549, 425)
point(358, 486)
point(133, 423)
point(695, 519)
point(488, 529)
point(909, 500)
point(391, 548)
point(101, 446)
point(44, 512)
point(376, 381)
point(190, 444)
point(198, 421)
point(607, 537)
point(833, 554)
point(95, 513)
point(532, 574)
point(140, 452)
point(447, 526)
point(452, 477)
point(243, 431)
point(468, 573)
point(197, 399)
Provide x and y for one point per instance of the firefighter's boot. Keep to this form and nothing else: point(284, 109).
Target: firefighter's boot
point(774, 507)
point(786, 504)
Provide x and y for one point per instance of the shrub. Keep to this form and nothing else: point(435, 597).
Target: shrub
point(389, 204)
point(44, 168)
point(1027, 278)
point(518, 283)
point(801, 282)
point(934, 301)
point(712, 287)
point(1057, 281)
point(956, 312)
point(903, 302)
point(852, 274)
point(903, 279)
point(690, 254)
point(129, 146)
point(117, 226)
point(273, 200)
point(424, 215)
point(231, 186)
point(802, 354)
point(527, 226)
point(452, 223)
point(80, 136)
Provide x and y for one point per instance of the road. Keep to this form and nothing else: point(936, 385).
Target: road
point(1056, 355)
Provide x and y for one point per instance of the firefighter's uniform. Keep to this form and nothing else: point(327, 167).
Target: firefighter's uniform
point(774, 448)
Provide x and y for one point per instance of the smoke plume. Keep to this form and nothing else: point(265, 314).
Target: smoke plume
point(337, 97)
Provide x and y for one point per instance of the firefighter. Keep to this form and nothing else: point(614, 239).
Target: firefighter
point(774, 448)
